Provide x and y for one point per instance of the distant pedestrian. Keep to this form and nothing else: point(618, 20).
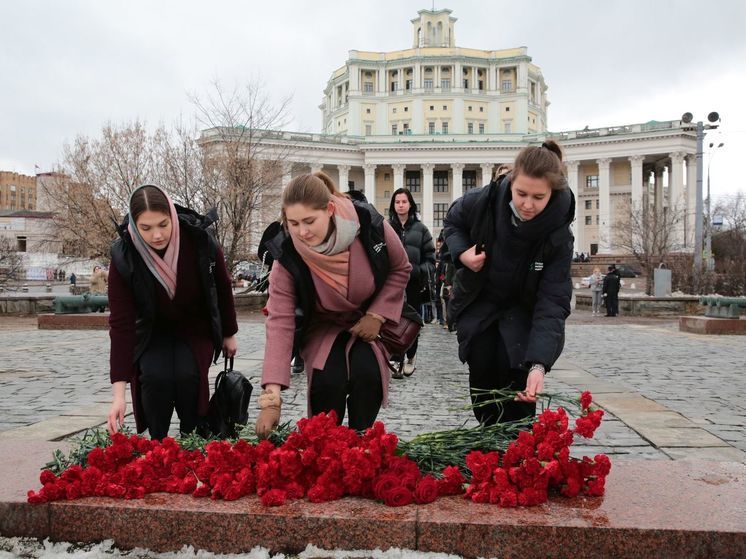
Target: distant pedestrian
point(73, 279)
point(596, 285)
point(418, 242)
point(99, 281)
point(611, 286)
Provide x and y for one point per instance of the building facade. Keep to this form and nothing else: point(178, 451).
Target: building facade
point(437, 119)
point(17, 192)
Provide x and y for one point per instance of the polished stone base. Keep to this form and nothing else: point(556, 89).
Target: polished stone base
point(716, 326)
point(651, 509)
point(87, 321)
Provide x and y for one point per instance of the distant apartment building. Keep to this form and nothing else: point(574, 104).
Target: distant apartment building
point(17, 191)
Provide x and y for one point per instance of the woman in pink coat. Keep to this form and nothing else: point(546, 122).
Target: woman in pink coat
point(339, 274)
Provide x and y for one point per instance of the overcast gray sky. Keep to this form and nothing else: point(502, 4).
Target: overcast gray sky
point(69, 66)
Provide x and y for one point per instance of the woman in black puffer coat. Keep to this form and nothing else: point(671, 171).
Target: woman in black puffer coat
point(418, 243)
point(512, 246)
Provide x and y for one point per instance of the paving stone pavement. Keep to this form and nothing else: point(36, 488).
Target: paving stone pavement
point(667, 394)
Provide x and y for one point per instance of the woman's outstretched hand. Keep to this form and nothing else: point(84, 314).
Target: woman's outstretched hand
point(534, 386)
point(472, 260)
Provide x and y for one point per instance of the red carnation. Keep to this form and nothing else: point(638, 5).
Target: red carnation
point(47, 476)
point(398, 497)
point(274, 498)
point(585, 400)
point(426, 490)
point(384, 483)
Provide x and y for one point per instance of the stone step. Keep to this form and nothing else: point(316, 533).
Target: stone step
point(651, 509)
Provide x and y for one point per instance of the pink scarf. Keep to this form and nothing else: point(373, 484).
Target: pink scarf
point(163, 268)
point(332, 265)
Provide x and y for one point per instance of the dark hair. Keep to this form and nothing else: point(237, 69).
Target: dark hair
point(148, 198)
point(314, 190)
point(542, 162)
point(412, 203)
point(357, 195)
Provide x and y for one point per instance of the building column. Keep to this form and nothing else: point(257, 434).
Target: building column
point(636, 165)
point(344, 177)
point(691, 200)
point(370, 182)
point(398, 169)
point(427, 195)
point(457, 189)
point(676, 203)
point(658, 190)
point(577, 227)
point(287, 175)
point(316, 167)
point(486, 173)
point(604, 205)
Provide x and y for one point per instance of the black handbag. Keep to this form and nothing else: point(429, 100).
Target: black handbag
point(229, 403)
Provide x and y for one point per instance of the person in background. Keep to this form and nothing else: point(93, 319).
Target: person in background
point(99, 281)
point(611, 286)
point(172, 313)
point(339, 274)
point(596, 285)
point(418, 242)
point(512, 248)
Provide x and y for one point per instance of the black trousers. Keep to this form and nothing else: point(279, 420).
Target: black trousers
point(612, 304)
point(413, 298)
point(489, 369)
point(169, 379)
point(360, 392)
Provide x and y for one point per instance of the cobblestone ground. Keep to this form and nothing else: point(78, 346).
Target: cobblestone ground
point(44, 374)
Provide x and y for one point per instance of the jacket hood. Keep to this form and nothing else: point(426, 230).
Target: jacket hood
point(187, 216)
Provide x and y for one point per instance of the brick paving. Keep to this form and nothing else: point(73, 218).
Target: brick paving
point(53, 381)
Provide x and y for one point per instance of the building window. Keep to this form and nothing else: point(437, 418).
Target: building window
point(589, 220)
point(405, 126)
point(394, 86)
point(412, 181)
point(481, 127)
point(432, 107)
point(481, 109)
point(507, 109)
point(445, 107)
point(466, 84)
point(445, 85)
point(393, 110)
point(428, 85)
point(408, 85)
point(508, 127)
point(386, 177)
point(596, 220)
point(393, 129)
point(368, 87)
point(368, 129)
point(588, 204)
point(406, 109)
point(367, 111)
point(481, 85)
point(469, 108)
point(439, 213)
point(440, 181)
point(591, 181)
point(386, 194)
point(507, 86)
point(21, 244)
point(470, 128)
point(598, 204)
point(469, 180)
point(444, 128)
point(431, 128)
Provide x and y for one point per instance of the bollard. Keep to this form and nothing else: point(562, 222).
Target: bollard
point(577, 285)
point(632, 286)
point(49, 288)
point(25, 288)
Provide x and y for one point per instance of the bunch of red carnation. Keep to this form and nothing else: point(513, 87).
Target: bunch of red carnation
point(539, 461)
point(323, 461)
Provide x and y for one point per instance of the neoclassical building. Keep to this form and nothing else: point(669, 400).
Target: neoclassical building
point(437, 118)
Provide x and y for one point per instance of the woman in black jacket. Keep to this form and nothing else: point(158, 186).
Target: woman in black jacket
point(512, 247)
point(418, 243)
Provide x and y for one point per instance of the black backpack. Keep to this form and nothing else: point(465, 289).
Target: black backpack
point(229, 403)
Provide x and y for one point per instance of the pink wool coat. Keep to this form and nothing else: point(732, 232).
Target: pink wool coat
point(333, 313)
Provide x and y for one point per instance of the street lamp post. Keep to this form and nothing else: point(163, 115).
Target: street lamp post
point(710, 262)
point(700, 128)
